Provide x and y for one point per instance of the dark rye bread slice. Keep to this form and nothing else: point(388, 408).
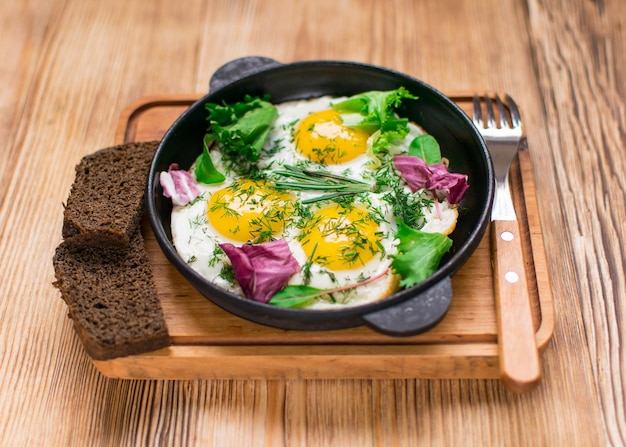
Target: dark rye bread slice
point(106, 200)
point(102, 268)
point(112, 299)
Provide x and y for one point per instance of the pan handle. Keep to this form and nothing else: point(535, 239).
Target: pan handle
point(239, 68)
point(415, 315)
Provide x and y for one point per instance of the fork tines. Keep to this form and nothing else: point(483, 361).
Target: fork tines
point(508, 115)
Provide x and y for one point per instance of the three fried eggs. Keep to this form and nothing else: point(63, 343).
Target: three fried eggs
point(337, 243)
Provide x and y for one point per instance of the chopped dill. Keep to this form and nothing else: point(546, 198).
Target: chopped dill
point(198, 221)
point(223, 205)
point(197, 199)
point(227, 273)
point(216, 256)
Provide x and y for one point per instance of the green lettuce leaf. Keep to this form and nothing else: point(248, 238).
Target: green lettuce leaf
point(419, 254)
point(374, 112)
point(205, 170)
point(241, 128)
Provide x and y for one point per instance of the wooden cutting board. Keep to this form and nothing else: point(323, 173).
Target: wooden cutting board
point(209, 342)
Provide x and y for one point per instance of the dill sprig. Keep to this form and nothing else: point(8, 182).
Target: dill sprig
point(310, 180)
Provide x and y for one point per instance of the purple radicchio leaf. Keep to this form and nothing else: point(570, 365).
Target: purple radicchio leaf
point(433, 177)
point(262, 269)
point(178, 185)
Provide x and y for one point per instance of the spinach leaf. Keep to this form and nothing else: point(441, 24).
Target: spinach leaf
point(205, 170)
point(294, 296)
point(426, 148)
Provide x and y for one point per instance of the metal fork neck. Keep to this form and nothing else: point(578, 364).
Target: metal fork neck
point(502, 201)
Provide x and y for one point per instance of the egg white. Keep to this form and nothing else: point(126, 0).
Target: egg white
point(282, 135)
point(196, 240)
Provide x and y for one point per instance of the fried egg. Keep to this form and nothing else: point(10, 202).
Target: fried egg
point(337, 243)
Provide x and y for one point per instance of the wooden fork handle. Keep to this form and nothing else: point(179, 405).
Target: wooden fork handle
point(519, 358)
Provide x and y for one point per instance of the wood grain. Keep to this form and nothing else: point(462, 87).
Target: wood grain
point(70, 66)
point(579, 50)
point(519, 359)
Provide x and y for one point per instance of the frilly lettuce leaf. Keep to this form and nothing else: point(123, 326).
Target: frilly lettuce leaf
point(374, 112)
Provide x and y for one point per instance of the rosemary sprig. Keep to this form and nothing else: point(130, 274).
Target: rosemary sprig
point(310, 180)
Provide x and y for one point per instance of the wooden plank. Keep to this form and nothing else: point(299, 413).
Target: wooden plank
point(251, 362)
point(579, 58)
point(24, 29)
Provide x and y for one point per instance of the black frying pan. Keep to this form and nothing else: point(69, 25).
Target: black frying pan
point(407, 312)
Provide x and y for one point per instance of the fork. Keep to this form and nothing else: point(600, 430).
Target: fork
point(519, 359)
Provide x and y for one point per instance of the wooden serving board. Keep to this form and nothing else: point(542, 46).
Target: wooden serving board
point(208, 342)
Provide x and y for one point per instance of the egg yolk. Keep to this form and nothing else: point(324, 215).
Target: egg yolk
point(341, 238)
point(249, 211)
point(321, 137)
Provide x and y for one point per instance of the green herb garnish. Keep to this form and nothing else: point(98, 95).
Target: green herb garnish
point(311, 180)
point(406, 205)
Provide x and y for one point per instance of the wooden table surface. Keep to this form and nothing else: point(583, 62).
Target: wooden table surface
point(69, 67)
